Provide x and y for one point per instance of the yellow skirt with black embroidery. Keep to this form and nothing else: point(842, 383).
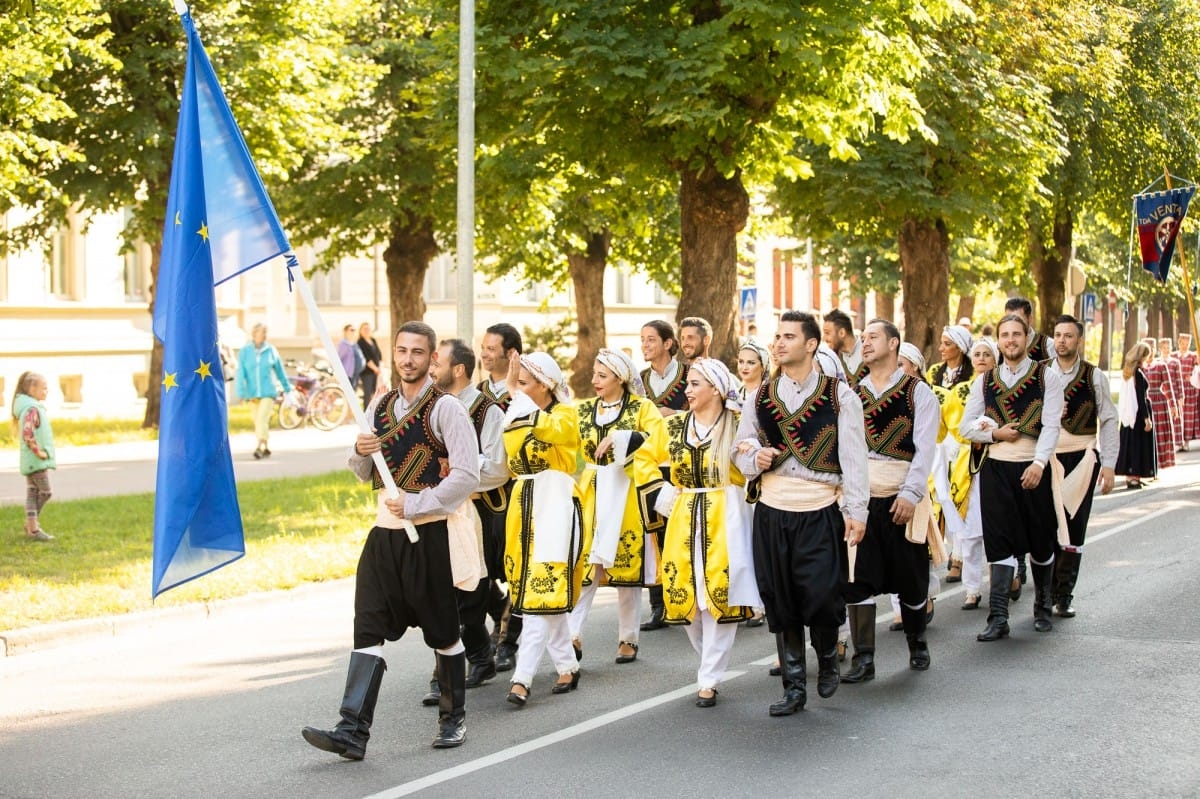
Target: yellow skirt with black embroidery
point(539, 587)
point(697, 516)
point(629, 563)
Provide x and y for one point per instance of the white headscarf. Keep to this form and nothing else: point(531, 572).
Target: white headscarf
point(546, 371)
point(961, 337)
point(622, 366)
point(718, 374)
point(911, 353)
point(991, 345)
point(764, 357)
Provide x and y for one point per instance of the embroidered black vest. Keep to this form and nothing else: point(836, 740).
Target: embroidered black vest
point(478, 412)
point(416, 458)
point(672, 396)
point(503, 400)
point(810, 434)
point(888, 420)
point(1079, 403)
point(1020, 405)
point(1037, 348)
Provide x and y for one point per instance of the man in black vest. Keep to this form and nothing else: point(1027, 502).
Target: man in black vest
point(804, 437)
point(1088, 410)
point(901, 416)
point(1016, 409)
point(427, 441)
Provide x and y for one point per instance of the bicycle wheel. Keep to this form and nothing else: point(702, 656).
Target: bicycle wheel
point(329, 408)
point(289, 410)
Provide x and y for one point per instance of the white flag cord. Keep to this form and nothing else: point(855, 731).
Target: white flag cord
point(343, 379)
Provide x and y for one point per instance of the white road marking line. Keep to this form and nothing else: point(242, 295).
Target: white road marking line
point(541, 742)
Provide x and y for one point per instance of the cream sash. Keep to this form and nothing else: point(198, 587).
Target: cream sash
point(552, 494)
point(465, 538)
point(1023, 449)
point(1075, 486)
point(612, 492)
point(389, 521)
point(797, 495)
point(743, 585)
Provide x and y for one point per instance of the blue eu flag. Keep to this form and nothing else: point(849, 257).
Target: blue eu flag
point(219, 223)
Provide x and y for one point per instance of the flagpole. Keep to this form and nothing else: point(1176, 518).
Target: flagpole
point(339, 371)
point(1187, 278)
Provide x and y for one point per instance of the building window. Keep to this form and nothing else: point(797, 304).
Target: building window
point(441, 279)
point(62, 254)
point(624, 289)
point(327, 286)
point(663, 297)
point(135, 267)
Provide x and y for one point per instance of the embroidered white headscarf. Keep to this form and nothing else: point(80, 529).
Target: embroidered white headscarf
point(718, 374)
point(991, 345)
point(764, 357)
point(960, 336)
point(622, 366)
point(910, 352)
point(546, 371)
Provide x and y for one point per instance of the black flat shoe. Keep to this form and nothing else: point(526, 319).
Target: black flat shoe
point(972, 602)
point(567, 687)
point(518, 699)
point(657, 620)
point(706, 701)
point(577, 645)
point(627, 658)
point(896, 626)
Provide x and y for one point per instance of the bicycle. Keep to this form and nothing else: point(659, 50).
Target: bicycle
point(315, 396)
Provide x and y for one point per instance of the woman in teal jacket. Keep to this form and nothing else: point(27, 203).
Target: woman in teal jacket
point(260, 378)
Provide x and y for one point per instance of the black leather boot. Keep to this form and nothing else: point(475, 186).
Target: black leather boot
point(1001, 582)
point(452, 714)
point(1043, 576)
point(435, 692)
point(1066, 573)
point(914, 630)
point(506, 653)
point(349, 737)
point(658, 610)
point(862, 633)
point(790, 646)
point(483, 666)
point(824, 643)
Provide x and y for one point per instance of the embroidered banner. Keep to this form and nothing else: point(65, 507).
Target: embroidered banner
point(1159, 216)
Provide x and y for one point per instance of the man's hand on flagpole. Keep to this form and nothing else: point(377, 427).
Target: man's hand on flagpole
point(367, 444)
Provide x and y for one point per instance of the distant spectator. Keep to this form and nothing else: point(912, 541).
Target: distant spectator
point(350, 355)
point(31, 426)
point(260, 378)
point(372, 363)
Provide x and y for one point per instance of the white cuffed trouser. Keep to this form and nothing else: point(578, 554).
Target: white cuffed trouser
point(541, 634)
point(714, 644)
point(583, 606)
point(972, 543)
point(629, 612)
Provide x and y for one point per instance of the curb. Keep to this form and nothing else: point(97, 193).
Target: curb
point(56, 634)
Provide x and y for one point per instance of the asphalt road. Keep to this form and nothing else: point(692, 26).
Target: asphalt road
point(1106, 705)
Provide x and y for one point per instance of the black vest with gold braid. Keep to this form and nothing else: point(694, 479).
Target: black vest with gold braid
point(1038, 349)
point(672, 396)
point(810, 434)
point(1079, 403)
point(503, 400)
point(478, 412)
point(414, 455)
point(495, 499)
point(1020, 405)
point(888, 420)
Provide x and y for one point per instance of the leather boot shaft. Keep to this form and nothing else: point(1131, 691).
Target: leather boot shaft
point(998, 599)
point(862, 634)
point(452, 679)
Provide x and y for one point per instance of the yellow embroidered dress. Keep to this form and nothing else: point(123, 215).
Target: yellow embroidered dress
point(543, 531)
point(707, 521)
point(618, 518)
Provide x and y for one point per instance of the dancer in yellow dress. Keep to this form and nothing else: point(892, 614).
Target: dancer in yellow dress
point(708, 568)
point(624, 439)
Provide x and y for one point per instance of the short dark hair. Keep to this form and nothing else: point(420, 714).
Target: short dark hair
point(419, 329)
point(889, 329)
point(697, 322)
point(1018, 304)
point(510, 338)
point(841, 320)
point(1013, 317)
point(1067, 319)
point(665, 331)
point(808, 323)
point(460, 354)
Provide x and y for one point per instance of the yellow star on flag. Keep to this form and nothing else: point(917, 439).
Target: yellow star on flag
point(204, 370)
point(169, 381)
point(203, 231)
point(177, 220)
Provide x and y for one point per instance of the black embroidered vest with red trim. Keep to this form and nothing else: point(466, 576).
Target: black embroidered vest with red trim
point(478, 413)
point(1020, 405)
point(503, 400)
point(1037, 348)
point(1079, 403)
point(416, 457)
point(888, 420)
point(810, 434)
point(673, 396)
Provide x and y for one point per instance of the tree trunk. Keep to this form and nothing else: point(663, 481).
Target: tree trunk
point(154, 387)
point(925, 280)
point(713, 210)
point(1049, 269)
point(885, 306)
point(1131, 328)
point(587, 277)
point(1154, 319)
point(410, 249)
point(966, 309)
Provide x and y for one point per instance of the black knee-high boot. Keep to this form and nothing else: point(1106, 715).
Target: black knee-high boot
point(790, 646)
point(862, 633)
point(1001, 579)
point(349, 738)
point(435, 692)
point(658, 610)
point(824, 643)
point(1066, 573)
point(506, 653)
point(452, 713)
point(915, 622)
point(1043, 576)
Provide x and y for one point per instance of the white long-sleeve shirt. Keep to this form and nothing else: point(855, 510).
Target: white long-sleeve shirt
point(926, 421)
point(1107, 422)
point(493, 461)
point(1052, 409)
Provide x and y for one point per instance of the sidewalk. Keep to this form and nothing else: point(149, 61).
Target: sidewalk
point(105, 470)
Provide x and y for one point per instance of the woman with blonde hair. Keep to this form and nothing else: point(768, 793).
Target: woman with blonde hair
point(1138, 458)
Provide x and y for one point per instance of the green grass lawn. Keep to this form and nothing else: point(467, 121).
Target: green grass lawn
point(79, 432)
point(298, 530)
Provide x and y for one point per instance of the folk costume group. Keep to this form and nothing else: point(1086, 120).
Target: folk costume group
point(802, 491)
